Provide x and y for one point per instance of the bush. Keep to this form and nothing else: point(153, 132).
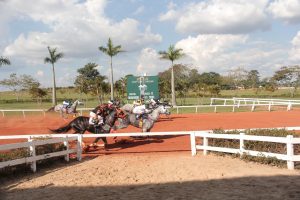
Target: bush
point(24, 152)
point(271, 147)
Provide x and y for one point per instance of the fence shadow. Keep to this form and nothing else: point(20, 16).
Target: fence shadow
point(261, 187)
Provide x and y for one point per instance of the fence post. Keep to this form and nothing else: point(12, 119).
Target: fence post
point(32, 153)
point(79, 147)
point(253, 106)
point(242, 145)
point(290, 152)
point(193, 143)
point(205, 145)
point(233, 108)
point(269, 106)
point(215, 109)
point(225, 102)
point(66, 144)
point(239, 101)
point(196, 109)
point(23, 113)
point(289, 107)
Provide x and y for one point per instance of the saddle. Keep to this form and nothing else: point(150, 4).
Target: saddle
point(141, 119)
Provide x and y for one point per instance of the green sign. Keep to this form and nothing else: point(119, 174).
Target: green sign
point(146, 86)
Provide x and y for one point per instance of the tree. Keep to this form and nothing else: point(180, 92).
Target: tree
point(252, 80)
point(238, 76)
point(4, 61)
point(90, 80)
point(54, 57)
point(111, 51)
point(288, 76)
point(172, 54)
point(17, 84)
point(121, 84)
point(210, 78)
point(181, 73)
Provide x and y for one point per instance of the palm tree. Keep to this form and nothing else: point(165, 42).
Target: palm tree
point(172, 54)
point(111, 51)
point(4, 61)
point(54, 57)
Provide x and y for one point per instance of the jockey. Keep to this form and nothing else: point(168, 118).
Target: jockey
point(140, 110)
point(98, 114)
point(66, 104)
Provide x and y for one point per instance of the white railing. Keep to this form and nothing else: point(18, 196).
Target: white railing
point(65, 138)
point(236, 103)
point(258, 102)
point(289, 140)
point(36, 140)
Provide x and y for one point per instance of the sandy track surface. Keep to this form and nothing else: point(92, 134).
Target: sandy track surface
point(157, 176)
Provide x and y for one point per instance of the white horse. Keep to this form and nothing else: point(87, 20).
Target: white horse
point(69, 110)
point(147, 122)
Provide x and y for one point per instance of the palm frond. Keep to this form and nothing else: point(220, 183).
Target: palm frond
point(4, 61)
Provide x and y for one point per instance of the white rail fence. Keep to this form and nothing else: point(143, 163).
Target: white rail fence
point(255, 102)
point(290, 141)
point(235, 103)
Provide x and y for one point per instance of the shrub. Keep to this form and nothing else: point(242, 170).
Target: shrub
point(24, 152)
point(279, 148)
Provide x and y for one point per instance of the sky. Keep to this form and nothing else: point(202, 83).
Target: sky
point(215, 35)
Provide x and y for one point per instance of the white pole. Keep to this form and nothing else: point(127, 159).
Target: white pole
point(205, 145)
point(193, 143)
point(242, 145)
point(32, 153)
point(290, 152)
point(79, 147)
point(66, 144)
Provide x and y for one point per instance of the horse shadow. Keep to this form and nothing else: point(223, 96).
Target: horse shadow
point(124, 143)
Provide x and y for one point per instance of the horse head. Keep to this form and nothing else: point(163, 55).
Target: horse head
point(162, 109)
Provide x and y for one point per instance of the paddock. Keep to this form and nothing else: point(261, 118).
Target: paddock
point(159, 168)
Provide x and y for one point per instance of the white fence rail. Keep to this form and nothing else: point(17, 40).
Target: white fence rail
point(32, 143)
point(65, 138)
point(289, 140)
point(235, 103)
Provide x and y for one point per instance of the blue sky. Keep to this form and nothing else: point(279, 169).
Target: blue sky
point(215, 35)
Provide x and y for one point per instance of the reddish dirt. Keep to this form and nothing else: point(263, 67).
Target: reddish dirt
point(39, 124)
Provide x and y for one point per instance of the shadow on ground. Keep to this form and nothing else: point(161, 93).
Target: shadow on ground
point(283, 187)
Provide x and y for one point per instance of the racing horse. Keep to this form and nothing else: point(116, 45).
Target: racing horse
point(70, 110)
point(129, 107)
point(148, 121)
point(81, 124)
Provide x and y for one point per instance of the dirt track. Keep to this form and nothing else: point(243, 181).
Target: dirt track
point(133, 171)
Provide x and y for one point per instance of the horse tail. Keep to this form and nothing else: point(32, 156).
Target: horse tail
point(50, 109)
point(62, 129)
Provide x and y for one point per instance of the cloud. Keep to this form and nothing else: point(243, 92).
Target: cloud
point(77, 29)
point(40, 73)
point(139, 10)
point(218, 16)
point(150, 63)
point(294, 54)
point(286, 10)
point(221, 53)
